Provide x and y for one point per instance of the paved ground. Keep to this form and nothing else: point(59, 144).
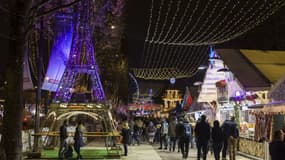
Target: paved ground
point(148, 152)
point(151, 152)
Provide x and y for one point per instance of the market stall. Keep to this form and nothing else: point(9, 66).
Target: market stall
point(144, 109)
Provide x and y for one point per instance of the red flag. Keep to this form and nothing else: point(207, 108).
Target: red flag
point(187, 100)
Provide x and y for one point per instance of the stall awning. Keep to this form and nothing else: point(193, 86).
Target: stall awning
point(146, 107)
point(245, 71)
point(270, 63)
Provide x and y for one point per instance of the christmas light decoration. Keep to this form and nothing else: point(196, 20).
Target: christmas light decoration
point(177, 35)
point(81, 58)
point(222, 22)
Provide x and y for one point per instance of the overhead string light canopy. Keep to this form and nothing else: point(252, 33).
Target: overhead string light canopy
point(205, 22)
point(179, 32)
point(172, 61)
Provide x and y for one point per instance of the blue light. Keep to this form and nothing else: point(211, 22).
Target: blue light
point(60, 52)
point(212, 53)
point(238, 93)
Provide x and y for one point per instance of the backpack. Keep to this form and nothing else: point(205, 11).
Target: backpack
point(187, 130)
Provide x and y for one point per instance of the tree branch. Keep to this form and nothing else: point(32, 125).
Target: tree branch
point(57, 8)
point(40, 4)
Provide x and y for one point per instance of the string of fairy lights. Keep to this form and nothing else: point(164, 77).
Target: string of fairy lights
point(235, 12)
point(180, 31)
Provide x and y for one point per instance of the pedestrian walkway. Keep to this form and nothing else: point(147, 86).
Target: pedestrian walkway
point(142, 152)
point(149, 152)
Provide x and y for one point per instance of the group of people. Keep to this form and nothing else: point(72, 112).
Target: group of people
point(65, 148)
point(169, 132)
point(219, 138)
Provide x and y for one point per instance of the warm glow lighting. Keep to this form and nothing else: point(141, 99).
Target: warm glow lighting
point(202, 67)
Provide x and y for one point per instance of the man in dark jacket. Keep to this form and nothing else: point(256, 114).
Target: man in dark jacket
point(202, 133)
point(62, 139)
point(230, 130)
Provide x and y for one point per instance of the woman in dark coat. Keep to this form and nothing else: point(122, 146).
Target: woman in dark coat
point(277, 146)
point(125, 134)
point(217, 137)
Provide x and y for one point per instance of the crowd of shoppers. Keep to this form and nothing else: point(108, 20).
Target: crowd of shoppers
point(178, 133)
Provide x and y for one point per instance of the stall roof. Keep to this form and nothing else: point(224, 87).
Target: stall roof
point(244, 70)
point(270, 63)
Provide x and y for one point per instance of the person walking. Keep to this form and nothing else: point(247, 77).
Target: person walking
point(231, 135)
point(62, 140)
point(131, 126)
point(217, 138)
point(185, 139)
point(151, 132)
point(78, 140)
point(277, 146)
point(164, 134)
point(157, 123)
point(202, 133)
point(126, 135)
point(172, 134)
point(179, 129)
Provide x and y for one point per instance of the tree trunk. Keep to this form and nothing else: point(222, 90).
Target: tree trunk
point(13, 108)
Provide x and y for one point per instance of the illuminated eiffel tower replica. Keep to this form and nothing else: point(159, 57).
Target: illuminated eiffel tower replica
point(81, 58)
point(80, 65)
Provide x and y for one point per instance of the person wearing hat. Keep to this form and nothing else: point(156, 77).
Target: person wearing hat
point(125, 134)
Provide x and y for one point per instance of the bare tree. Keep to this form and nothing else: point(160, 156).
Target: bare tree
point(12, 122)
point(21, 18)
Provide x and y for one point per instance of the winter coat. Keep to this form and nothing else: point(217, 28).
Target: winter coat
point(277, 150)
point(230, 129)
point(126, 135)
point(202, 131)
point(164, 128)
point(78, 137)
point(217, 134)
point(63, 132)
point(171, 129)
point(179, 129)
